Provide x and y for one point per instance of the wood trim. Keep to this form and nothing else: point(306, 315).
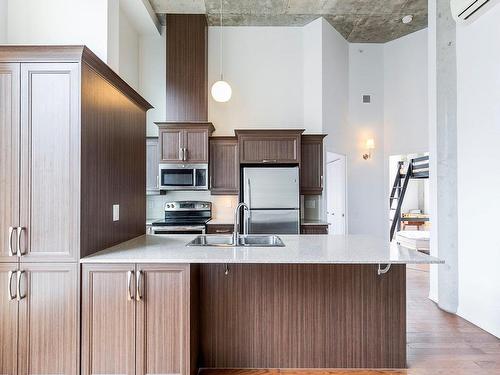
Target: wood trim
point(302, 316)
point(109, 74)
point(71, 53)
point(186, 125)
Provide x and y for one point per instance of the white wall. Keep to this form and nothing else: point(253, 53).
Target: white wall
point(264, 67)
point(367, 206)
point(152, 78)
point(128, 62)
point(3, 21)
point(59, 22)
point(405, 95)
point(478, 90)
point(335, 89)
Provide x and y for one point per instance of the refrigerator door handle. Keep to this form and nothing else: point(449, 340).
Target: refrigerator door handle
point(249, 194)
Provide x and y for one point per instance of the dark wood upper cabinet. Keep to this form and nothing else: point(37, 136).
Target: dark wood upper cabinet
point(72, 145)
point(224, 166)
point(152, 153)
point(311, 170)
point(184, 142)
point(187, 87)
point(269, 146)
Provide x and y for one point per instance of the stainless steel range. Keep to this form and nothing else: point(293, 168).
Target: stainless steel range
point(184, 217)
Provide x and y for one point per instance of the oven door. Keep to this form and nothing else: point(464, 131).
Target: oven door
point(181, 229)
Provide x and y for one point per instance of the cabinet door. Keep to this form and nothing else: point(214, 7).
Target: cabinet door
point(50, 161)
point(48, 319)
point(10, 79)
point(152, 165)
point(171, 142)
point(108, 319)
point(196, 145)
point(163, 319)
point(224, 166)
point(8, 319)
point(273, 149)
point(311, 169)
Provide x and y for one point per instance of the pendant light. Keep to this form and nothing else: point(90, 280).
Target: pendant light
point(221, 91)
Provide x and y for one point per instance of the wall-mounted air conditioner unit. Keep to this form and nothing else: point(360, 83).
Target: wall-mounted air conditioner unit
point(466, 11)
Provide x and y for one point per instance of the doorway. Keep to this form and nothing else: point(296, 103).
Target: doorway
point(336, 193)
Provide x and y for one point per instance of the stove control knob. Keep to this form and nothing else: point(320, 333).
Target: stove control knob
point(168, 206)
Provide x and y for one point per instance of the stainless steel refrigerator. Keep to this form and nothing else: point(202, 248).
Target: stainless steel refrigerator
point(272, 194)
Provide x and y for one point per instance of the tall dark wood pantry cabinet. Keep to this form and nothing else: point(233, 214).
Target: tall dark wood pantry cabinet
point(71, 145)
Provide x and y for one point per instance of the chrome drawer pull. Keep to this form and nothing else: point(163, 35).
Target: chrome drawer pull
point(129, 284)
point(19, 296)
point(11, 232)
point(9, 285)
point(19, 232)
point(138, 295)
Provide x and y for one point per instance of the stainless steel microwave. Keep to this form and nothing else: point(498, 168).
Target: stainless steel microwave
point(183, 176)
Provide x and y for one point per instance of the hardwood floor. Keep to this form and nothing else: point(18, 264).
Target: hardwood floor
point(438, 343)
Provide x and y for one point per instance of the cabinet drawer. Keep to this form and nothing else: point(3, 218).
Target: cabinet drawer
point(314, 229)
point(220, 228)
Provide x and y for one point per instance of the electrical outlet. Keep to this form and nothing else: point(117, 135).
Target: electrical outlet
point(116, 212)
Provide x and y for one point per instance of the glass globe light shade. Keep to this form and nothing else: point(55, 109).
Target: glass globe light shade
point(221, 91)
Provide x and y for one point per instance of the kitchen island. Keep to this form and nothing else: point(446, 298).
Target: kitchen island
point(318, 302)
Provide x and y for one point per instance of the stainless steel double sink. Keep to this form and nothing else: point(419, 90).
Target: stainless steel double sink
point(244, 240)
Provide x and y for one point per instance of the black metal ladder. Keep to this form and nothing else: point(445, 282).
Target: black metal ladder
point(418, 168)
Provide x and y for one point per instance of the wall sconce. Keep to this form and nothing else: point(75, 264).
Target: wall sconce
point(370, 145)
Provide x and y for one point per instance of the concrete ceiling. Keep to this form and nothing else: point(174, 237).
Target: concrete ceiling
point(370, 21)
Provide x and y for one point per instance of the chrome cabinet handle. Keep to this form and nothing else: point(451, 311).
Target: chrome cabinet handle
point(210, 181)
point(19, 296)
point(185, 153)
point(269, 160)
point(19, 232)
point(129, 284)
point(138, 295)
point(321, 181)
point(181, 154)
point(222, 231)
point(11, 232)
point(9, 285)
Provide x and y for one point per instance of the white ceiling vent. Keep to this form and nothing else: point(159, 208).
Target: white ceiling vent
point(466, 11)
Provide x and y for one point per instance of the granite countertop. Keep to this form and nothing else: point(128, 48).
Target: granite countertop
point(216, 221)
point(299, 249)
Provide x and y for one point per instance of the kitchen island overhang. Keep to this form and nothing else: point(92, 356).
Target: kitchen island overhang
point(319, 302)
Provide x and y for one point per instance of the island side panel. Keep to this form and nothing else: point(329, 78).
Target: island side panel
point(302, 316)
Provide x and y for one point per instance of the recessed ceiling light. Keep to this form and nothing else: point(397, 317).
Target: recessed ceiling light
point(407, 19)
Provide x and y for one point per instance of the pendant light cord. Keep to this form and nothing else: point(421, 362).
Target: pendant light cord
point(221, 42)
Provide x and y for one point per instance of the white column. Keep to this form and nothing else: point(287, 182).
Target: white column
point(443, 153)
